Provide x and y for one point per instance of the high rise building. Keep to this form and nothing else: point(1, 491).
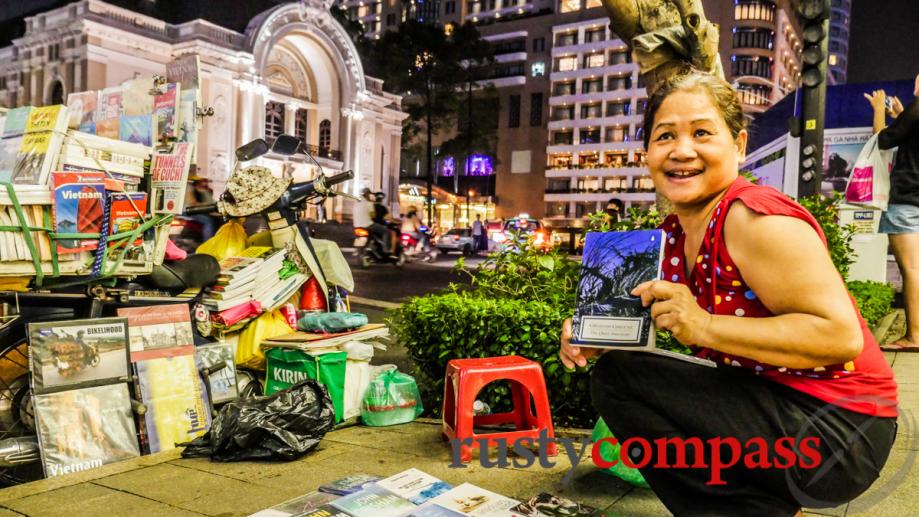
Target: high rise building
point(840, 11)
point(571, 100)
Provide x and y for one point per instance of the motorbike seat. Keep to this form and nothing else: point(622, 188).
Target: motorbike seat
point(196, 270)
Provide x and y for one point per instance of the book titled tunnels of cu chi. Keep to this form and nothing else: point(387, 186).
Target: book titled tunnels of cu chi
point(606, 314)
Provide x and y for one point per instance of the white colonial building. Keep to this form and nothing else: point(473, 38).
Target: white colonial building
point(294, 70)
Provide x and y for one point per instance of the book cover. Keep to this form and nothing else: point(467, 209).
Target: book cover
point(109, 128)
point(126, 212)
point(373, 501)
point(238, 268)
point(349, 484)
point(188, 116)
point(78, 199)
point(474, 501)
point(157, 330)
point(86, 428)
point(137, 129)
point(137, 99)
point(303, 506)
point(176, 400)
point(434, 510)
point(82, 108)
point(222, 382)
point(612, 265)
point(165, 110)
point(78, 353)
point(31, 158)
point(169, 179)
point(110, 103)
point(185, 70)
point(16, 120)
point(47, 118)
point(9, 153)
point(548, 505)
point(414, 485)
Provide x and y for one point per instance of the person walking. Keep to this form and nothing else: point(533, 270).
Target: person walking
point(478, 230)
point(901, 219)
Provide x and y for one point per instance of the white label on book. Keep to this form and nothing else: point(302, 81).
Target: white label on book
point(626, 330)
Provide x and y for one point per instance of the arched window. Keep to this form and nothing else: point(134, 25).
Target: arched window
point(57, 93)
point(325, 137)
point(274, 120)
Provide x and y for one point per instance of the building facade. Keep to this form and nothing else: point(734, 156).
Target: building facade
point(838, 61)
point(293, 70)
point(571, 100)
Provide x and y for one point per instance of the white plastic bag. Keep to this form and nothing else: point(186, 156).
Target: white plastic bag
point(869, 182)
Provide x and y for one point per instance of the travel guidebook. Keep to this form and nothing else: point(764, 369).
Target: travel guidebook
point(414, 485)
point(302, 506)
point(474, 501)
point(223, 381)
point(86, 428)
point(606, 314)
point(348, 485)
point(78, 208)
point(77, 353)
point(169, 178)
point(373, 501)
point(157, 331)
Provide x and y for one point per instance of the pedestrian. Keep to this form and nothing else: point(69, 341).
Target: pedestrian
point(614, 210)
point(901, 219)
point(478, 231)
point(748, 283)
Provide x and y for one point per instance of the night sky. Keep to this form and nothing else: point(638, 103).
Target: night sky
point(883, 42)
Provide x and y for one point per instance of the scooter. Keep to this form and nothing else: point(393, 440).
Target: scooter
point(419, 248)
point(372, 251)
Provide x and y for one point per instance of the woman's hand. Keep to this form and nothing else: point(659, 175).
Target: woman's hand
point(674, 308)
point(896, 107)
point(571, 355)
point(877, 99)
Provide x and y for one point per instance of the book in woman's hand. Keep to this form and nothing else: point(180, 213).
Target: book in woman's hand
point(606, 314)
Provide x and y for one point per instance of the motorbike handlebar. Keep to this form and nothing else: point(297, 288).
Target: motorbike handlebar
point(339, 178)
point(200, 209)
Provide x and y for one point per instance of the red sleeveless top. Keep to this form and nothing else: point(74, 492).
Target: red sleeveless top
point(865, 385)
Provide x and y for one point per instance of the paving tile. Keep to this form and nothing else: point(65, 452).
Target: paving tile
point(836, 511)
point(638, 502)
point(89, 499)
point(895, 493)
point(198, 491)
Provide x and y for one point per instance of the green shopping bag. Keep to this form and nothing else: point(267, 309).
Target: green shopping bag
point(610, 451)
point(392, 398)
point(287, 367)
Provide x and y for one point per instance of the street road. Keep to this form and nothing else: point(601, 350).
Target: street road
point(388, 283)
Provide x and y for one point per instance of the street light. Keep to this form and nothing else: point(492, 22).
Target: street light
point(469, 194)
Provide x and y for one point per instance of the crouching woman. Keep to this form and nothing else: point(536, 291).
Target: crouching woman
point(801, 410)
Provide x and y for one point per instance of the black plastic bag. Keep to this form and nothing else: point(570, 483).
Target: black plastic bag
point(281, 426)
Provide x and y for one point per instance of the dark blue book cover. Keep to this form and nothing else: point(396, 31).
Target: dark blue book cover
point(373, 501)
point(613, 264)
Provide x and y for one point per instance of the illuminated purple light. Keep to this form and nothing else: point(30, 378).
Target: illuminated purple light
point(479, 165)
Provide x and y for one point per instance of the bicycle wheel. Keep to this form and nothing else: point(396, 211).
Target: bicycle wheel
point(17, 417)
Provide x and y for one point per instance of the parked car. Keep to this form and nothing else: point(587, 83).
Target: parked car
point(457, 239)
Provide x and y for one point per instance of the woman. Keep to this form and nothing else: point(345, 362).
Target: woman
point(749, 284)
point(901, 220)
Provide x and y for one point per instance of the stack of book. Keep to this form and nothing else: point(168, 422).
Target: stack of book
point(255, 274)
point(84, 152)
point(235, 284)
point(31, 142)
point(271, 290)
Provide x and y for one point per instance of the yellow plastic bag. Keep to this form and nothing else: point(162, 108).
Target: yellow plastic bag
point(229, 240)
point(268, 325)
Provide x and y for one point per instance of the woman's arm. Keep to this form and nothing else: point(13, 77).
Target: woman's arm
point(788, 268)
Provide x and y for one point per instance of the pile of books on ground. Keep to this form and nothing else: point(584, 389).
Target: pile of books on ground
point(67, 165)
point(84, 374)
point(413, 493)
point(257, 280)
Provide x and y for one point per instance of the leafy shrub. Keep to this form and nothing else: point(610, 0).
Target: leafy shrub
point(873, 299)
point(437, 328)
point(838, 238)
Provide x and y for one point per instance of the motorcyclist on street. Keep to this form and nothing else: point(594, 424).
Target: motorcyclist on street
point(379, 228)
point(362, 210)
point(411, 225)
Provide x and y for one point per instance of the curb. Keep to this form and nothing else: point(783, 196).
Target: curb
point(880, 331)
point(380, 304)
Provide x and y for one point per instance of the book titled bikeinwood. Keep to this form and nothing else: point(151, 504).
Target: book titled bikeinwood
point(606, 314)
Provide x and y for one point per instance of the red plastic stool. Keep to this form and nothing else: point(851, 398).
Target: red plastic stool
point(466, 377)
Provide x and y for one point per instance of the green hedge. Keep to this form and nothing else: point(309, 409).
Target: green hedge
point(874, 299)
point(438, 328)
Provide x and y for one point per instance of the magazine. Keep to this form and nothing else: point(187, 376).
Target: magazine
point(82, 108)
point(158, 331)
point(222, 382)
point(165, 107)
point(78, 208)
point(606, 314)
point(169, 179)
point(548, 505)
point(474, 501)
point(177, 406)
point(137, 129)
point(137, 99)
point(109, 103)
point(301, 506)
point(373, 501)
point(77, 353)
point(348, 485)
point(414, 485)
point(86, 428)
point(15, 122)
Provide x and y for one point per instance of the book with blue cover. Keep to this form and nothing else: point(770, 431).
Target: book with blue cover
point(349, 485)
point(373, 501)
point(606, 314)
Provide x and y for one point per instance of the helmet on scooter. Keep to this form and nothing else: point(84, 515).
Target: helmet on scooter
point(379, 196)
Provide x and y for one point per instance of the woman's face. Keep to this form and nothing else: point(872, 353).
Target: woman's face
point(692, 156)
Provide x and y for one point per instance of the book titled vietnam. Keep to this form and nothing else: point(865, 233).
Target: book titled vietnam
point(606, 314)
point(78, 208)
point(84, 429)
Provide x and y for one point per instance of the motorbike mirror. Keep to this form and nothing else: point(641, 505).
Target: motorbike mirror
point(252, 150)
point(286, 145)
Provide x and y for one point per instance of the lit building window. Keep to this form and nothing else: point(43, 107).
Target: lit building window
point(538, 68)
point(569, 6)
point(833, 59)
point(594, 3)
point(567, 64)
point(594, 60)
point(325, 137)
point(274, 120)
